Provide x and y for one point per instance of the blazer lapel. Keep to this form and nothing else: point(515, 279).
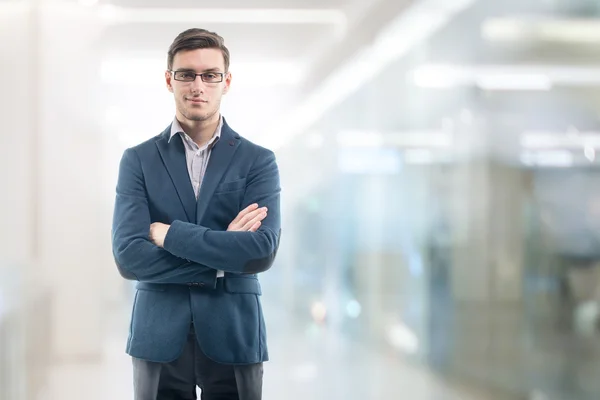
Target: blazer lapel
point(173, 156)
point(220, 157)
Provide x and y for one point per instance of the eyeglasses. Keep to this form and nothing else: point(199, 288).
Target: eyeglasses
point(190, 76)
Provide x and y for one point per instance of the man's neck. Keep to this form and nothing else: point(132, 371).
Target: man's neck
point(200, 131)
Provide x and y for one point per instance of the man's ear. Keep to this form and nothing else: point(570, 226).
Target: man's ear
point(168, 81)
point(227, 83)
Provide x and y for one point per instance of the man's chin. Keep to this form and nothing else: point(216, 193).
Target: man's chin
point(198, 117)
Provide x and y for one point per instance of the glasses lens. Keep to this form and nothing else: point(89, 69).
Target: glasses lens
point(212, 77)
point(186, 76)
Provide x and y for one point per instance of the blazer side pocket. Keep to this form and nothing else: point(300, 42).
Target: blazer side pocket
point(231, 186)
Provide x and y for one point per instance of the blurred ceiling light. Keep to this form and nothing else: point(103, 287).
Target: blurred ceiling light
point(380, 161)
point(486, 77)
point(420, 21)
point(360, 139)
point(513, 29)
point(114, 14)
point(427, 157)
point(424, 138)
point(514, 82)
point(504, 77)
point(547, 158)
point(504, 29)
point(559, 140)
point(575, 30)
point(149, 72)
point(413, 138)
point(438, 76)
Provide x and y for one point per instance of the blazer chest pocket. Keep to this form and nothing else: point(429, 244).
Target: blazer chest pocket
point(231, 186)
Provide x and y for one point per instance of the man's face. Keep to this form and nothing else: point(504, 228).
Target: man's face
point(198, 100)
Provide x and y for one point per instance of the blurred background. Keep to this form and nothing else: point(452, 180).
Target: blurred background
point(441, 206)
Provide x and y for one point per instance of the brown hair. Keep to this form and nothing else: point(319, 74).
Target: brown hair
point(196, 38)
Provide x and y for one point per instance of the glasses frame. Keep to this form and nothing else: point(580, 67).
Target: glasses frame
point(201, 75)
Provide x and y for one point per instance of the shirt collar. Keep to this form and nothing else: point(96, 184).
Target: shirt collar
point(176, 128)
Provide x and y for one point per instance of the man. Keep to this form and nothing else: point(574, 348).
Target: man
point(196, 219)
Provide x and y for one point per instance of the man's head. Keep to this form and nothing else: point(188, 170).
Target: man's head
point(198, 51)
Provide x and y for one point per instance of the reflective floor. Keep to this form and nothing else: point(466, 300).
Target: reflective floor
point(303, 366)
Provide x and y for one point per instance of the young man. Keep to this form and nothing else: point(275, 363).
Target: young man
point(196, 219)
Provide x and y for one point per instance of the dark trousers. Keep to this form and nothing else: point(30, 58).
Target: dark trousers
point(177, 380)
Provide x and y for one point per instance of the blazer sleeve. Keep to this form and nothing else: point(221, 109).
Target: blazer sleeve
point(237, 252)
point(137, 258)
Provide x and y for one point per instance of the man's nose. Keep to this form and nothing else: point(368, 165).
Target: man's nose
point(198, 84)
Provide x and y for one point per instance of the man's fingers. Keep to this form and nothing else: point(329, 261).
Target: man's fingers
point(250, 223)
point(251, 216)
point(259, 217)
point(247, 218)
point(245, 211)
point(252, 226)
point(255, 227)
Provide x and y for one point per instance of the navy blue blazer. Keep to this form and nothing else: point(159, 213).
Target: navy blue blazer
point(178, 284)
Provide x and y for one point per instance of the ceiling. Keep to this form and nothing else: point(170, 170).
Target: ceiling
point(394, 104)
point(347, 64)
point(232, 4)
point(297, 42)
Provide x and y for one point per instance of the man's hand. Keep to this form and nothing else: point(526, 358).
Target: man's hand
point(158, 232)
point(249, 219)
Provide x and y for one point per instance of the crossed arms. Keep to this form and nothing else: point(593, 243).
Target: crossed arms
point(184, 252)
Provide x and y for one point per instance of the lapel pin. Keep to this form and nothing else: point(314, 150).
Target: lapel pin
point(231, 142)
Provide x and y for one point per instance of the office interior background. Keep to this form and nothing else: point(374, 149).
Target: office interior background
point(440, 197)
